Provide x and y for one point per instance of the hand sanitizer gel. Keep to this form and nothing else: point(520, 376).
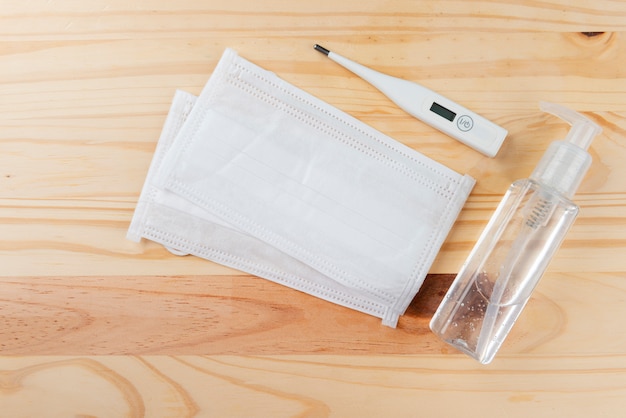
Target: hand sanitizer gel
point(516, 246)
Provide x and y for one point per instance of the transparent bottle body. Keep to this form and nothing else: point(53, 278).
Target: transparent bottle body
point(497, 279)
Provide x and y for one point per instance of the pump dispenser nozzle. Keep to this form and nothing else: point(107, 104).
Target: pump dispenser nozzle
point(583, 130)
point(565, 163)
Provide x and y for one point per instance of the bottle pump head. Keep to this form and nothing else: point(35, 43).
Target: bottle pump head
point(565, 163)
point(583, 129)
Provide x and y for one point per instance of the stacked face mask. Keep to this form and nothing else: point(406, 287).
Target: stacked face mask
point(258, 175)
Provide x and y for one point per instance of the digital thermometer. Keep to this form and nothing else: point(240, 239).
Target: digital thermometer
point(432, 108)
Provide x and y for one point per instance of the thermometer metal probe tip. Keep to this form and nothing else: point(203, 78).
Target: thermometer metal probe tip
point(321, 49)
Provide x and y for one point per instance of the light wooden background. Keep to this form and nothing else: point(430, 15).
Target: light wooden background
point(92, 325)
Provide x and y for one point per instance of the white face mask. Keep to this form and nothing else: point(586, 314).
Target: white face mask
point(268, 179)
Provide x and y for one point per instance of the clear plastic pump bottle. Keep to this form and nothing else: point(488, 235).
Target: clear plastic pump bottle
point(516, 246)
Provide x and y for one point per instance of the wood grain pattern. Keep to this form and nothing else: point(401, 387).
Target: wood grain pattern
point(245, 315)
point(216, 314)
point(312, 386)
point(94, 325)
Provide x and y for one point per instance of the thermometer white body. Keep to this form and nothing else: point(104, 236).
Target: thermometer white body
point(432, 108)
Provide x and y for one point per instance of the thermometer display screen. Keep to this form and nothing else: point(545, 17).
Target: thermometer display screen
point(442, 111)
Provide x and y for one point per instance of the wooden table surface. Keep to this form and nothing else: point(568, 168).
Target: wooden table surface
point(93, 325)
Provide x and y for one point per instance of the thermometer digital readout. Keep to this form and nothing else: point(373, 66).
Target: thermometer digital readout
point(432, 108)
